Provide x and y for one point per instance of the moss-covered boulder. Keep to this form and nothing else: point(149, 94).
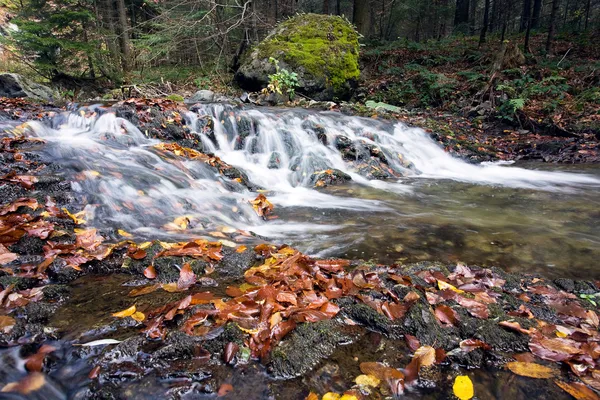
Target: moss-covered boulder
point(321, 49)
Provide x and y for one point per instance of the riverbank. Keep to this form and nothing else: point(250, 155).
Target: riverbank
point(233, 316)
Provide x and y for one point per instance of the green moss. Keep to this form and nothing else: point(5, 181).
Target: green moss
point(175, 97)
point(321, 45)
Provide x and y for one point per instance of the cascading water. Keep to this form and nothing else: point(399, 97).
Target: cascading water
point(129, 183)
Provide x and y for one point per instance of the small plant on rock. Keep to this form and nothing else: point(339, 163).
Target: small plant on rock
point(282, 81)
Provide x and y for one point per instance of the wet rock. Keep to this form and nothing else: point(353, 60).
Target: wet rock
point(28, 245)
point(39, 312)
point(177, 346)
point(329, 177)
point(274, 161)
point(202, 96)
point(56, 292)
point(19, 282)
point(15, 85)
point(306, 346)
point(60, 273)
point(230, 334)
point(367, 317)
point(421, 322)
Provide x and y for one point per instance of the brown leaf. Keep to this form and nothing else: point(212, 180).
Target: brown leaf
point(6, 323)
point(446, 315)
point(577, 390)
point(515, 326)
point(150, 272)
point(231, 350)
point(34, 363)
point(187, 278)
point(412, 342)
point(144, 290)
point(6, 256)
point(224, 390)
point(139, 254)
point(425, 356)
point(380, 371)
point(531, 370)
point(469, 345)
point(27, 385)
point(262, 206)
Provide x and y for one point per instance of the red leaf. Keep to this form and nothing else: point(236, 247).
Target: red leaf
point(150, 272)
point(469, 345)
point(231, 350)
point(34, 362)
point(224, 390)
point(412, 342)
point(446, 315)
point(187, 278)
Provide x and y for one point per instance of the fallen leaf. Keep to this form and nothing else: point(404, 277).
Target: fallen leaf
point(150, 272)
point(99, 342)
point(6, 323)
point(187, 278)
point(138, 316)
point(425, 356)
point(367, 380)
point(224, 390)
point(6, 256)
point(463, 387)
point(531, 370)
point(446, 315)
point(34, 363)
point(27, 385)
point(124, 233)
point(577, 390)
point(231, 350)
point(125, 313)
point(331, 396)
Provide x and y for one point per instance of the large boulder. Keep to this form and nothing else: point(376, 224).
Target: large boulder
point(321, 49)
point(15, 85)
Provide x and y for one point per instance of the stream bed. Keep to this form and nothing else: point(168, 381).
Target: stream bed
point(382, 195)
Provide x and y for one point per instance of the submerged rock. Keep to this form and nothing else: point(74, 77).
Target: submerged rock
point(321, 49)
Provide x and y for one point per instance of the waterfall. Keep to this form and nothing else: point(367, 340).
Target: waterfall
point(131, 184)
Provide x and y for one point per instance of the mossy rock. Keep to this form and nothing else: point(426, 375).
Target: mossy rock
point(321, 49)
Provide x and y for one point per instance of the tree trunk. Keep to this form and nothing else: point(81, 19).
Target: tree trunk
point(461, 16)
point(493, 20)
point(552, 27)
point(361, 17)
point(472, 17)
point(537, 14)
point(525, 15)
point(325, 6)
point(588, 6)
point(486, 20)
point(338, 7)
point(124, 36)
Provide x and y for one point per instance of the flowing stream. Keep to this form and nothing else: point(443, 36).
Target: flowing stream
point(430, 206)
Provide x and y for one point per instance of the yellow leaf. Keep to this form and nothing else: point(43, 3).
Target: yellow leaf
point(138, 316)
point(77, 217)
point(463, 387)
point(248, 331)
point(367, 380)
point(331, 396)
point(124, 233)
point(182, 222)
point(348, 397)
point(444, 285)
point(425, 355)
point(144, 245)
point(241, 249)
point(227, 243)
point(125, 313)
point(275, 319)
point(531, 370)
point(577, 390)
